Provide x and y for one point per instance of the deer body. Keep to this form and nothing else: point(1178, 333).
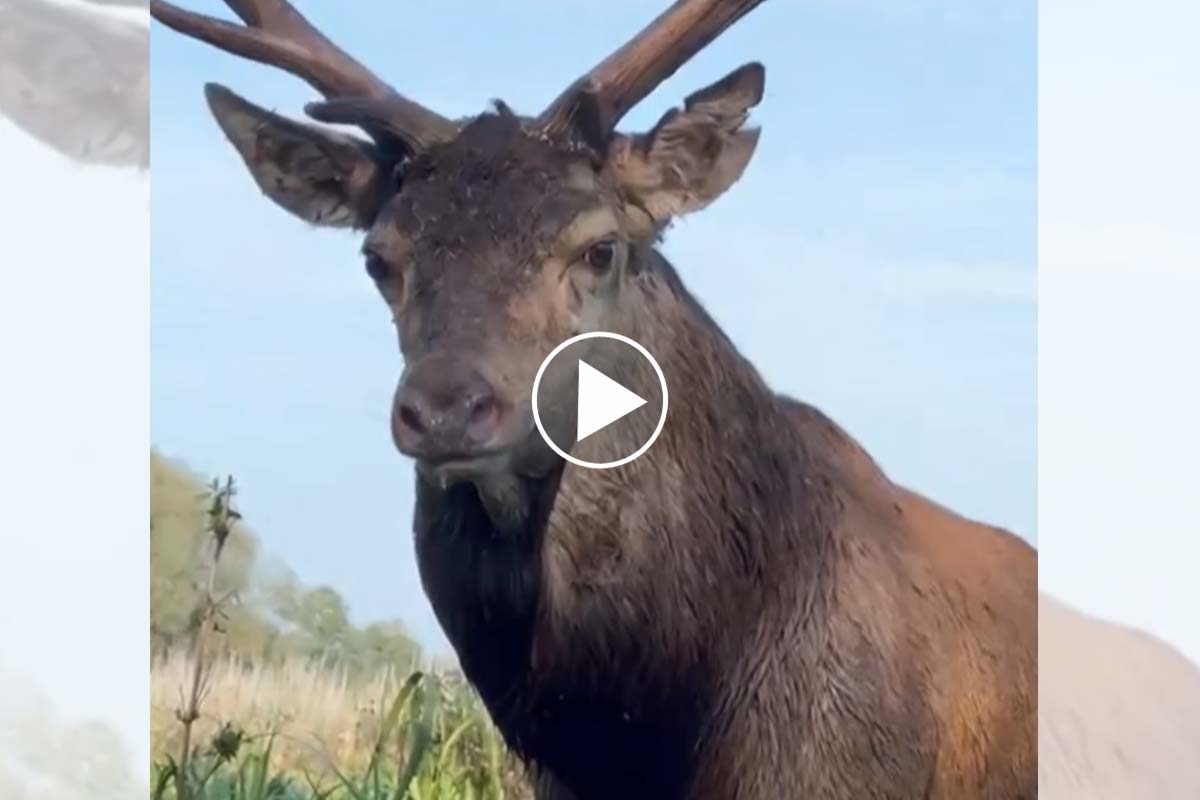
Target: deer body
point(789, 625)
point(748, 610)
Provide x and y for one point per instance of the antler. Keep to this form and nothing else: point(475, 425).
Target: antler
point(278, 35)
point(598, 100)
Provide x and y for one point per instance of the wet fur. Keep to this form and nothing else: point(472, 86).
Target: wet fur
point(750, 610)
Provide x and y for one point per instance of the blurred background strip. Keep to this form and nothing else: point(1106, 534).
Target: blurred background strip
point(76, 77)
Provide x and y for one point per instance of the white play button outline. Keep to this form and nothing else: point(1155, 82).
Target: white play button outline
point(604, 397)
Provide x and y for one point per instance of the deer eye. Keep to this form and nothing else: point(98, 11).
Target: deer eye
point(377, 268)
point(601, 255)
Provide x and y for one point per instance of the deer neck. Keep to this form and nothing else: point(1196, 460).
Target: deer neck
point(682, 536)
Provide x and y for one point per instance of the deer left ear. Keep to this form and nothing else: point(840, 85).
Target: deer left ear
point(322, 176)
point(692, 155)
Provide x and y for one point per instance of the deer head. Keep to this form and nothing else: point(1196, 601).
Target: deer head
point(493, 238)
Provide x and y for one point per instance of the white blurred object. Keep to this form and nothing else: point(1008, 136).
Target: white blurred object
point(1118, 711)
point(43, 755)
point(76, 77)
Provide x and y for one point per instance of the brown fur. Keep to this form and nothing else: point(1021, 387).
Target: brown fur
point(783, 622)
point(749, 610)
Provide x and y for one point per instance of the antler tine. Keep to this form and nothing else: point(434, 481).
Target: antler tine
point(603, 96)
point(278, 35)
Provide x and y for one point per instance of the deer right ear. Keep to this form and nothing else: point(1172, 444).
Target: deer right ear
point(321, 176)
point(692, 155)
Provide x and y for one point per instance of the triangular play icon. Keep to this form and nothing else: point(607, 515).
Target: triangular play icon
point(602, 401)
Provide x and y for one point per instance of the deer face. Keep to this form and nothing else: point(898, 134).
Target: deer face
point(498, 246)
point(495, 245)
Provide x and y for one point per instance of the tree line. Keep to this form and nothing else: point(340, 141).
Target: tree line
point(271, 614)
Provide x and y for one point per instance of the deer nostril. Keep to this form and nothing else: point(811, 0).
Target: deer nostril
point(482, 408)
point(411, 419)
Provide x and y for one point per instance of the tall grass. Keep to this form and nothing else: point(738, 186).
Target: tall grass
point(228, 729)
point(301, 729)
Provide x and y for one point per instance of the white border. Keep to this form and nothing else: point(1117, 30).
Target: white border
point(537, 418)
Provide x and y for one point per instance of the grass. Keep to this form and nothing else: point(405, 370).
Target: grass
point(304, 731)
point(223, 728)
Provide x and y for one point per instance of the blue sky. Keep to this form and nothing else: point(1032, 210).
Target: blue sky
point(878, 259)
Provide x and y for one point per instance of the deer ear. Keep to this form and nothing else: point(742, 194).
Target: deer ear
point(692, 155)
point(323, 177)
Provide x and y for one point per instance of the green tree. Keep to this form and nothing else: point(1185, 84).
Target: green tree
point(273, 615)
point(323, 622)
point(383, 644)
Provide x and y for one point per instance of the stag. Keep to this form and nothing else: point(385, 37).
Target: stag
point(752, 609)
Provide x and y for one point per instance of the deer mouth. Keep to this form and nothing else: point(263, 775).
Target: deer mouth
point(524, 453)
point(447, 467)
point(456, 467)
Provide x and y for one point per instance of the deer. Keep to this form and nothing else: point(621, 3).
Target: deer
point(752, 608)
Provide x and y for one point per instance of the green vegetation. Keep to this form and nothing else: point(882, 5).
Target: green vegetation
point(262, 688)
point(431, 743)
point(273, 617)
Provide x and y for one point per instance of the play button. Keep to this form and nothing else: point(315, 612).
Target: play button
point(599, 400)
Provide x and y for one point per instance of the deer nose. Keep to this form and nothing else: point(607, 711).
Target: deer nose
point(444, 410)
